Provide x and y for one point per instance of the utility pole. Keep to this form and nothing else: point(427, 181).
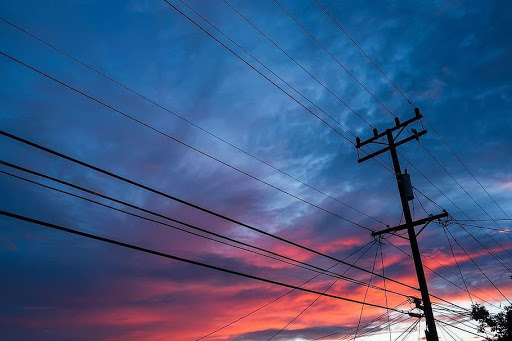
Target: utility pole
point(406, 194)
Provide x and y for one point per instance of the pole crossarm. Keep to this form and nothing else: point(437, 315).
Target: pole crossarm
point(398, 125)
point(414, 223)
point(416, 136)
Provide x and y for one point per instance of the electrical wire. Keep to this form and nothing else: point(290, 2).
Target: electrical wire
point(453, 203)
point(181, 142)
point(412, 104)
point(465, 191)
point(362, 51)
point(441, 276)
point(458, 266)
point(473, 261)
point(173, 257)
point(267, 253)
point(334, 58)
point(475, 179)
point(366, 293)
point(384, 282)
point(184, 202)
point(393, 115)
point(258, 71)
point(369, 244)
point(318, 297)
point(453, 326)
point(378, 160)
point(189, 121)
point(407, 330)
point(367, 324)
point(298, 64)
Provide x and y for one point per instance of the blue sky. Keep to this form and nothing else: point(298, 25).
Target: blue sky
point(451, 58)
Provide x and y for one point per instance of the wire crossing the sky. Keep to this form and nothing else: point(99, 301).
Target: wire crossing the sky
point(187, 203)
point(267, 253)
point(367, 245)
point(184, 119)
point(364, 52)
point(181, 142)
point(185, 260)
point(334, 58)
point(318, 297)
point(412, 105)
point(379, 161)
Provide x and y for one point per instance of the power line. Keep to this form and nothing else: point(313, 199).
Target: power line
point(407, 331)
point(325, 272)
point(299, 65)
point(485, 248)
point(366, 293)
point(441, 276)
point(184, 202)
point(483, 273)
point(453, 326)
point(460, 272)
point(258, 71)
point(272, 255)
point(189, 261)
point(455, 180)
point(411, 104)
point(457, 263)
point(333, 57)
point(483, 227)
point(385, 294)
point(190, 122)
point(380, 161)
point(318, 297)
point(467, 169)
point(463, 319)
point(453, 203)
point(467, 193)
point(443, 140)
point(377, 329)
point(362, 51)
point(294, 19)
point(183, 143)
point(508, 219)
point(450, 334)
point(369, 244)
point(367, 324)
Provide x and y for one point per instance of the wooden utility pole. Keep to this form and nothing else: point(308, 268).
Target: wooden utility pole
point(406, 194)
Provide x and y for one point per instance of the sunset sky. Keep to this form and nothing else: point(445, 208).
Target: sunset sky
point(162, 103)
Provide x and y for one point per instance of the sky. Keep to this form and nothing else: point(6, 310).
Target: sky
point(258, 125)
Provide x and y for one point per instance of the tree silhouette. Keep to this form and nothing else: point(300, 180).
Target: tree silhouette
point(500, 323)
